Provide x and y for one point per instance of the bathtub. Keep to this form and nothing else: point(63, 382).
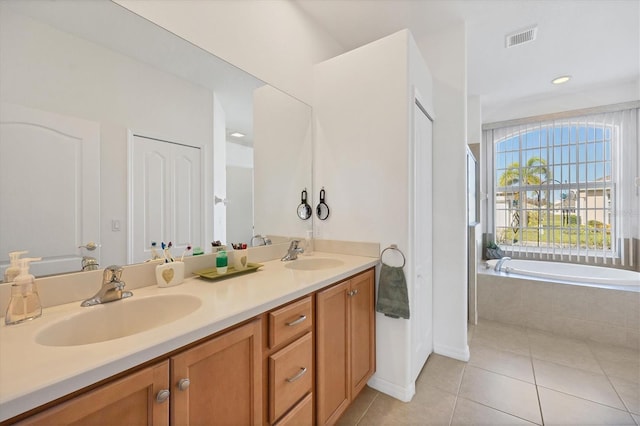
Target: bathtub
point(582, 301)
point(571, 273)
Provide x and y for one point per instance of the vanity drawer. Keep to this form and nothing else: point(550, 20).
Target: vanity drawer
point(290, 376)
point(300, 415)
point(289, 321)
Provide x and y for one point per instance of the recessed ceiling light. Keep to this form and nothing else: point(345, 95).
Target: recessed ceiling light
point(237, 135)
point(561, 79)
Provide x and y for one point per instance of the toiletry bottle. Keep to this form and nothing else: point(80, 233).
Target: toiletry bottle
point(221, 262)
point(25, 302)
point(14, 269)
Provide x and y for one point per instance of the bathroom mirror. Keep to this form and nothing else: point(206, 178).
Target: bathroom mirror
point(120, 78)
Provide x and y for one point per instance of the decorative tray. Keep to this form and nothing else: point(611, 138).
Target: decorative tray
point(212, 273)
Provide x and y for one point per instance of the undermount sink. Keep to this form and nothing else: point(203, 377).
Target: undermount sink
point(117, 319)
point(313, 264)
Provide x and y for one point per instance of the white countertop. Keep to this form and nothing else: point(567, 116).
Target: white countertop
point(32, 374)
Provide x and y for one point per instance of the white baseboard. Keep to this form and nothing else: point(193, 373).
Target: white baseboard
point(452, 352)
point(404, 394)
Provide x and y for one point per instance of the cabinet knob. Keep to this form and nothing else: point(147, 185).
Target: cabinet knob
point(352, 293)
point(183, 384)
point(162, 395)
point(298, 321)
point(301, 373)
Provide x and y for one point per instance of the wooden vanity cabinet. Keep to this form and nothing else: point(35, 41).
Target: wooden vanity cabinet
point(345, 333)
point(131, 400)
point(300, 364)
point(219, 382)
point(288, 357)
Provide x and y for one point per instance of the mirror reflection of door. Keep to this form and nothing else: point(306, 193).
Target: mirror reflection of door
point(51, 201)
point(166, 196)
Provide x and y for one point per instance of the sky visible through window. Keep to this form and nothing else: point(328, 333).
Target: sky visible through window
point(574, 153)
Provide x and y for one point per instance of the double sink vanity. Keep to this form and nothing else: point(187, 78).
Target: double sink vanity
point(292, 343)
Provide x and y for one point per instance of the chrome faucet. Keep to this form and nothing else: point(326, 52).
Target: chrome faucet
point(89, 263)
point(112, 288)
point(292, 253)
point(499, 263)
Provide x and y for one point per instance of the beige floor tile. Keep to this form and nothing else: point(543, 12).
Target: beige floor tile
point(562, 409)
point(503, 393)
point(628, 369)
point(430, 406)
point(502, 336)
point(563, 350)
point(441, 372)
point(629, 392)
point(584, 384)
point(503, 362)
point(358, 407)
point(606, 352)
point(471, 413)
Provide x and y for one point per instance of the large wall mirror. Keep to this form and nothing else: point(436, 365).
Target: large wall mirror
point(118, 132)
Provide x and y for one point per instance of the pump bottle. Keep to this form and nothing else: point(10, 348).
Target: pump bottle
point(14, 269)
point(25, 302)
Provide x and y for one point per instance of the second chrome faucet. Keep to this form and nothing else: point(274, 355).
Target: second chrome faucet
point(112, 288)
point(292, 252)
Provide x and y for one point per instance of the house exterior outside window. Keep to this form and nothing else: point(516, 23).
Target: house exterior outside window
point(557, 186)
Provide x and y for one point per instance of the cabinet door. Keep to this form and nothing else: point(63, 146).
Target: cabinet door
point(224, 380)
point(332, 363)
point(127, 401)
point(361, 300)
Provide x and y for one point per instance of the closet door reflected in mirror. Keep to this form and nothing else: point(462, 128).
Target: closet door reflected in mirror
point(166, 196)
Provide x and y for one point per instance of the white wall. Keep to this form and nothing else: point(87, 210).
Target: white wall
point(445, 53)
point(239, 192)
point(362, 106)
point(474, 120)
point(219, 130)
point(47, 69)
point(272, 40)
point(282, 136)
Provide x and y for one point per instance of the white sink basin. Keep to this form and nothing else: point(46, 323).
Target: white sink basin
point(313, 264)
point(117, 319)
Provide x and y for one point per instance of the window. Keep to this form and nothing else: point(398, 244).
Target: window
point(558, 185)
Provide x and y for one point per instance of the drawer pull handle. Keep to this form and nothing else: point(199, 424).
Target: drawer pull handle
point(162, 396)
point(298, 321)
point(301, 373)
point(183, 384)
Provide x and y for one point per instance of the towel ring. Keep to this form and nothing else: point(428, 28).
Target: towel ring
point(394, 247)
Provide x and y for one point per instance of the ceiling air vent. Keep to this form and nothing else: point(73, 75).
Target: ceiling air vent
point(521, 37)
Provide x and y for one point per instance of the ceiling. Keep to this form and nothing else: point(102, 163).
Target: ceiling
point(597, 42)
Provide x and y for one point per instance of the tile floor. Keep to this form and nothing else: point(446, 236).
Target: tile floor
point(515, 376)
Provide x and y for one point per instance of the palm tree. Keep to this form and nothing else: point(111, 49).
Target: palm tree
point(531, 174)
point(535, 172)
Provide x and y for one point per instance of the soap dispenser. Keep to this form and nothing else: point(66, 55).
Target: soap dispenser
point(14, 269)
point(25, 302)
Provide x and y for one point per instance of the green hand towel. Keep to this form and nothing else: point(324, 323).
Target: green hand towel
point(393, 299)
